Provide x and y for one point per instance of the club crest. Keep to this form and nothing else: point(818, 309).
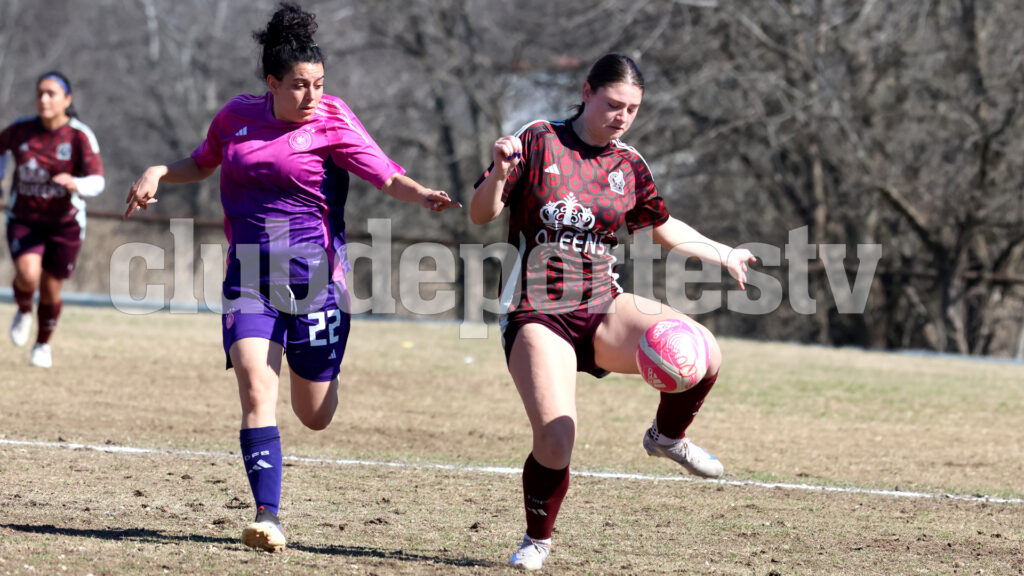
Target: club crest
point(300, 140)
point(617, 182)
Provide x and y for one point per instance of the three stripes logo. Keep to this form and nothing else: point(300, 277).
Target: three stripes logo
point(260, 464)
point(243, 132)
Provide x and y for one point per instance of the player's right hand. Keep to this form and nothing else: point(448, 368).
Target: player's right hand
point(508, 151)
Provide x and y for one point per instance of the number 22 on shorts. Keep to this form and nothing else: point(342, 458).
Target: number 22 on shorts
point(321, 323)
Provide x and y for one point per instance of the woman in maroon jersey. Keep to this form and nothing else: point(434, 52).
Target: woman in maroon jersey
point(57, 164)
point(569, 185)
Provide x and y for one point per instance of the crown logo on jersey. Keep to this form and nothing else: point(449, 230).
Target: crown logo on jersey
point(31, 171)
point(567, 213)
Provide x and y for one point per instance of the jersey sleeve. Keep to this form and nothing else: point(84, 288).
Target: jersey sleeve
point(649, 209)
point(89, 162)
point(354, 150)
point(210, 151)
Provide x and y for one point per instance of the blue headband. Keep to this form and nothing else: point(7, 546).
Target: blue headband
point(58, 80)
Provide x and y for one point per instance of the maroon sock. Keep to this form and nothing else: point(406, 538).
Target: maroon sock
point(677, 411)
point(23, 298)
point(48, 315)
point(543, 492)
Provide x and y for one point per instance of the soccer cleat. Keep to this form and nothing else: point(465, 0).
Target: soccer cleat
point(42, 356)
point(531, 554)
point(20, 328)
point(695, 459)
point(265, 532)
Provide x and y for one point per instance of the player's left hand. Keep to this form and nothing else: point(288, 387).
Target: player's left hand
point(142, 192)
point(66, 181)
point(438, 201)
point(736, 264)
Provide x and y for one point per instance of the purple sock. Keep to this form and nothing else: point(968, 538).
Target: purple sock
point(261, 450)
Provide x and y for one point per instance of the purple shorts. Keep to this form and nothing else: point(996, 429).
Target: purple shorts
point(313, 337)
point(58, 244)
point(577, 328)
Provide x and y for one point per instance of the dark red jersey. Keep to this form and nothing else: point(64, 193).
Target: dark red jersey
point(566, 200)
point(41, 154)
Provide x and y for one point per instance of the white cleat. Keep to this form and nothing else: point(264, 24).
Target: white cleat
point(531, 554)
point(265, 532)
point(42, 356)
point(695, 459)
point(21, 327)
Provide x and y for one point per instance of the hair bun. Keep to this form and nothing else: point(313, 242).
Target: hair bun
point(289, 25)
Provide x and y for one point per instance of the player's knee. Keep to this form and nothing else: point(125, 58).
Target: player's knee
point(318, 421)
point(256, 392)
point(317, 424)
point(714, 352)
point(319, 417)
point(553, 443)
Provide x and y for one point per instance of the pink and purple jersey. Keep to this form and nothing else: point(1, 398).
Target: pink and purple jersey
point(41, 154)
point(566, 201)
point(283, 186)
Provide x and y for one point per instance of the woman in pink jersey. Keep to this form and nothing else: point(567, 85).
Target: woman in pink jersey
point(57, 165)
point(285, 159)
point(569, 186)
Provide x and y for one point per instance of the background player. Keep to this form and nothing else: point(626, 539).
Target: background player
point(56, 164)
point(285, 157)
point(569, 186)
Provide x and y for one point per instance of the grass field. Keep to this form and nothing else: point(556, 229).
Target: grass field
point(413, 475)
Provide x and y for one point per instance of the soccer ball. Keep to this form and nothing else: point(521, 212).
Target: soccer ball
point(672, 356)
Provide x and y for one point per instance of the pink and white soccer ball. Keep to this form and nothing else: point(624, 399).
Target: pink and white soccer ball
point(672, 356)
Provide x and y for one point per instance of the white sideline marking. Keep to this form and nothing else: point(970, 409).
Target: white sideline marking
point(512, 471)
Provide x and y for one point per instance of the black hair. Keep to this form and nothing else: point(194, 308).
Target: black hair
point(611, 69)
point(64, 82)
point(287, 40)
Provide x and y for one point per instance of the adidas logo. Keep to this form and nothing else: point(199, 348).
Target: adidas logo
point(652, 378)
point(243, 132)
point(333, 356)
point(553, 169)
point(538, 511)
point(260, 464)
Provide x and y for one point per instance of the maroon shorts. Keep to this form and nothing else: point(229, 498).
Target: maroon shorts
point(57, 243)
point(577, 328)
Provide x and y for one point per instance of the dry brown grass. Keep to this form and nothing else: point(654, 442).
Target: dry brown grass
point(414, 393)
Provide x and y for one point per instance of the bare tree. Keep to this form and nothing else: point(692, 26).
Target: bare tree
point(867, 122)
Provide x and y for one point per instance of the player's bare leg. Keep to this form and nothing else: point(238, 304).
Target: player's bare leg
point(314, 402)
point(543, 366)
point(619, 333)
point(615, 344)
point(257, 363)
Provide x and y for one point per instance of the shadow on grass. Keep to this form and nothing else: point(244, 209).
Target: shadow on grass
point(156, 536)
point(401, 555)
